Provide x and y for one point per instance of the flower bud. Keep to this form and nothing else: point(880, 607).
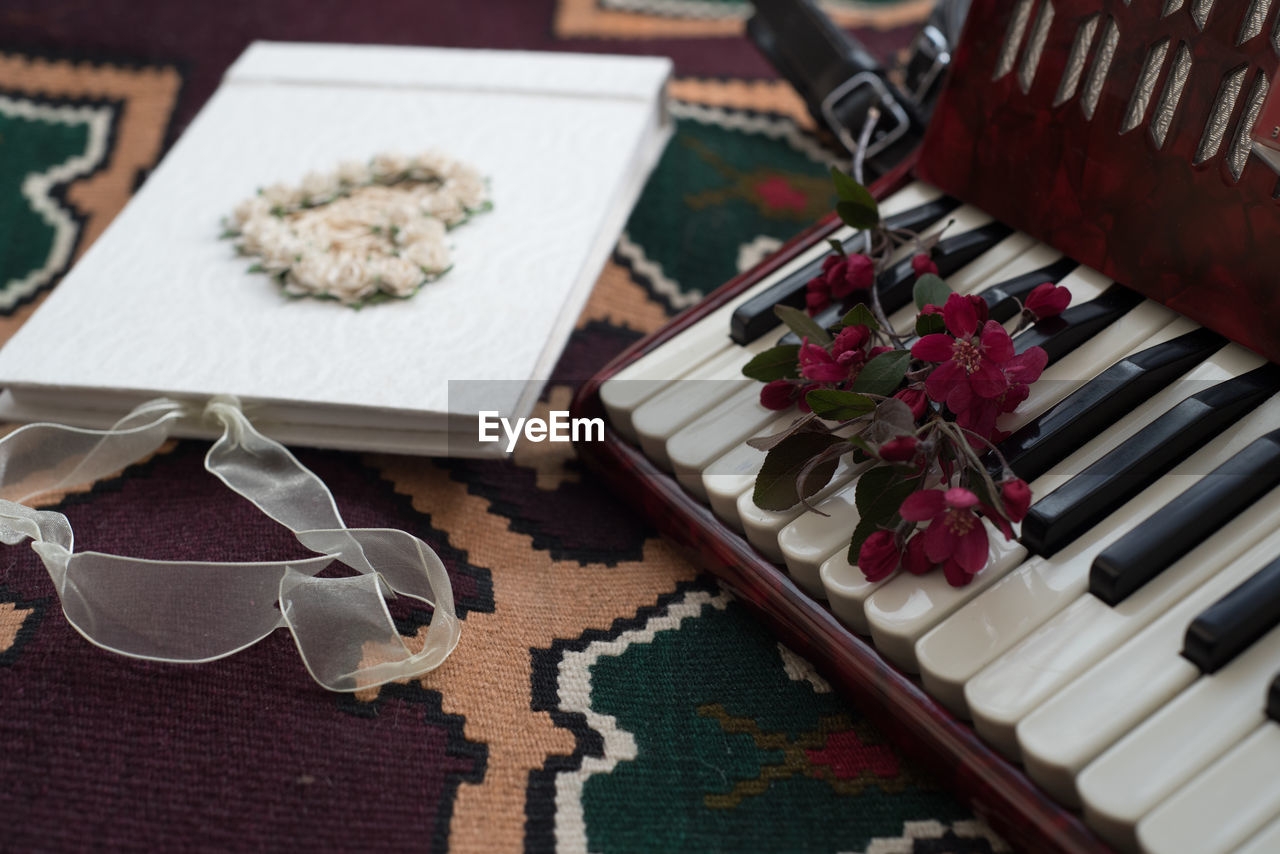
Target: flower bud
point(777, 395)
point(916, 399)
point(878, 556)
point(852, 273)
point(1047, 300)
point(923, 264)
point(900, 449)
point(1016, 496)
point(914, 559)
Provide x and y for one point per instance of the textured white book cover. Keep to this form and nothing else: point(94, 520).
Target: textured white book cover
point(160, 305)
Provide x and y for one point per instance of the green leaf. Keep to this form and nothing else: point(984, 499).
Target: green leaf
point(894, 418)
point(803, 325)
point(851, 191)
point(881, 502)
point(836, 405)
point(861, 315)
point(836, 246)
point(930, 290)
point(774, 364)
point(807, 421)
point(859, 443)
point(810, 482)
point(883, 374)
point(856, 215)
point(776, 484)
point(870, 486)
point(930, 324)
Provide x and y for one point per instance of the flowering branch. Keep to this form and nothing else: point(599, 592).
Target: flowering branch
point(918, 408)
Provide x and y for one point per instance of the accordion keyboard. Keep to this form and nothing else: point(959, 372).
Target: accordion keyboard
point(1123, 648)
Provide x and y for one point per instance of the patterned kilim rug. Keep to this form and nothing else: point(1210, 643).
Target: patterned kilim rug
point(605, 696)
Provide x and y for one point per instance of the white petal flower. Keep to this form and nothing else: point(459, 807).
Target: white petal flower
point(364, 228)
point(353, 173)
point(320, 187)
point(390, 166)
point(282, 196)
point(252, 207)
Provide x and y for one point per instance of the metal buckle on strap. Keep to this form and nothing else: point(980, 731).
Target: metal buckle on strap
point(890, 109)
point(931, 46)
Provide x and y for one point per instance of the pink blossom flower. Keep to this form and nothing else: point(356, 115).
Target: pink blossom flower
point(980, 414)
point(840, 276)
point(970, 357)
point(848, 274)
point(1047, 300)
point(879, 556)
point(955, 533)
point(847, 348)
point(923, 264)
point(819, 365)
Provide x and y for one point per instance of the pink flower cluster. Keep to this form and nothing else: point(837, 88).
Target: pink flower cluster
point(833, 366)
point(841, 275)
point(978, 375)
point(955, 539)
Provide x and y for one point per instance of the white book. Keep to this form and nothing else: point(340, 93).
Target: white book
point(160, 305)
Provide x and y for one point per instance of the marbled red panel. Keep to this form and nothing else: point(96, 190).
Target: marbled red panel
point(1186, 235)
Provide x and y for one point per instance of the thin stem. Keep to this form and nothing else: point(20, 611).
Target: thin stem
point(864, 139)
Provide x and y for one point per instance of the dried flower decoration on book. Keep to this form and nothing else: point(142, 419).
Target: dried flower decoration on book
point(363, 233)
point(914, 412)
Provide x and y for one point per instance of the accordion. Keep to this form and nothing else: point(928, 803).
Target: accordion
point(1128, 150)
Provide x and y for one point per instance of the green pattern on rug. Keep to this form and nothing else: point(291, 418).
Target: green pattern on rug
point(726, 177)
point(732, 749)
point(31, 146)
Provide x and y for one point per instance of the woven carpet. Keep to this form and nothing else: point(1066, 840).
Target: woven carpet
point(605, 696)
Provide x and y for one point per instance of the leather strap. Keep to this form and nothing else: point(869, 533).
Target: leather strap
point(838, 78)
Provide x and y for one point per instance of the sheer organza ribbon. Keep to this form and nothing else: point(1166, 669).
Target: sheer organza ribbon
point(189, 611)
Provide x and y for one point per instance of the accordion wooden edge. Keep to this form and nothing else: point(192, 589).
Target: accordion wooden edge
point(993, 787)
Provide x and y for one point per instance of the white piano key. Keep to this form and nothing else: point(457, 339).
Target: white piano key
point(1095, 710)
point(709, 337)
point(1031, 594)
point(1265, 841)
point(846, 590)
point(1088, 629)
point(655, 420)
point(727, 478)
point(909, 605)
point(1222, 807)
point(1177, 743)
point(709, 436)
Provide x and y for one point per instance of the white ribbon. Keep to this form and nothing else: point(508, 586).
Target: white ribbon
point(192, 611)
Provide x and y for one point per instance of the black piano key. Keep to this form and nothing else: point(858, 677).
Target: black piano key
point(1004, 299)
point(1273, 700)
point(897, 284)
point(755, 317)
point(1044, 442)
point(1062, 334)
point(1186, 521)
point(1227, 627)
point(1086, 499)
